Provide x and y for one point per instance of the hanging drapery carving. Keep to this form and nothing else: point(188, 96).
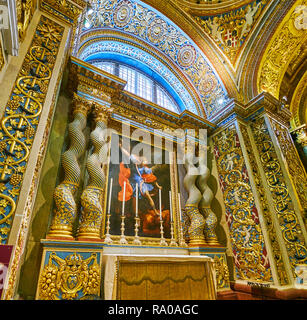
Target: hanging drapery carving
point(66, 210)
point(91, 198)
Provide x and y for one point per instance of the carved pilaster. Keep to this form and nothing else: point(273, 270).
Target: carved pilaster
point(242, 217)
point(91, 198)
point(281, 192)
point(66, 210)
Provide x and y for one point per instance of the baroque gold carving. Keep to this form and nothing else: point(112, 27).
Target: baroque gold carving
point(222, 272)
point(250, 255)
point(296, 170)
point(278, 55)
point(281, 272)
point(65, 279)
point(67, 10)
point(22, 114)
point(287, 217)
point(25, 10)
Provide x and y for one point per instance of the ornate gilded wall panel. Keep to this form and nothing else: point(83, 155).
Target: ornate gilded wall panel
point(294, 164)
point(22, 114)
point(283, 46)
point(281, 271)
point(249, 250)
point(283, 204)
point(70, 275)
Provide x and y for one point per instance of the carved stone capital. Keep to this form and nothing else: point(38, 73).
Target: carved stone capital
point(102, 113)
point(81, 105)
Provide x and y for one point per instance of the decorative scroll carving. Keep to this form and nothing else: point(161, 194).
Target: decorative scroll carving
point(283, 46)
point(222, 272)
point(91, 198)
point(66, 210)
point(281, 271)
point(69, 278)
point(295, 167)
point(22, 114)
point(287, 218)
point(197, 221)
point(250, 255)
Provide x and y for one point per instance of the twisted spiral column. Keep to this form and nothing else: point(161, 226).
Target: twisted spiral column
point(65, 205)
point(196, 228)
point(91, 198)
point(204, 204)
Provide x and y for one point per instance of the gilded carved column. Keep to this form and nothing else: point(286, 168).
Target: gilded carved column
point(66, 209)
point(283, 178)
point(250, 251)
point(204, 204)
point(91, 198)
point(196, 228)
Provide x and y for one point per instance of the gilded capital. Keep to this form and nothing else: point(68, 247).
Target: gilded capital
point(102, 112)
point(81, 105)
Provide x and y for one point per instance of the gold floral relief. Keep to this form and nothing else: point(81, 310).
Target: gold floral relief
point(286, 41)
point(287, 217)
point(249, 250)
point(281, 271)
point(69, 278)
point(296, 170)
point(22, 115)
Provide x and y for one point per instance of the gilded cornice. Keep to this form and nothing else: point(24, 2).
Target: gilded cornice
point(263, 103)
point(66, 10)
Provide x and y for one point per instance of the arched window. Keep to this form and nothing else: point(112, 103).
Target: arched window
point(139, 83)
